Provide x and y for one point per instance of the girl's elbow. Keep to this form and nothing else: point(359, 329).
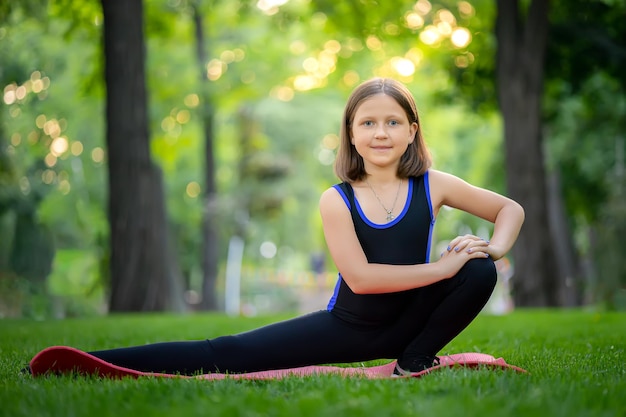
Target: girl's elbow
point(515, 209)
point(521, 212)
point(357, 286)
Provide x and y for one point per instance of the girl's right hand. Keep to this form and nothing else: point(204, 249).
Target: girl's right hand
point(461, 250)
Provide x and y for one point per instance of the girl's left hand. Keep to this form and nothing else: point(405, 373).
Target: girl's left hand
point(471, 243)
point(468, 243)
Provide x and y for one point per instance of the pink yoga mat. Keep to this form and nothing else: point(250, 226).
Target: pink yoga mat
point(65, 360)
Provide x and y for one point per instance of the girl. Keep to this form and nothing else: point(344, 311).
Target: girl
point(389, 301)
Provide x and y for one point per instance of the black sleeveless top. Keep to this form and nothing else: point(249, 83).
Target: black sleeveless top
point(403, 241)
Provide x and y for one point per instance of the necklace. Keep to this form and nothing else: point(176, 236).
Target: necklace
point(390, 215)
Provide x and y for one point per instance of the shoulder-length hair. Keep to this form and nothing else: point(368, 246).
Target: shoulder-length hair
point(349, 164)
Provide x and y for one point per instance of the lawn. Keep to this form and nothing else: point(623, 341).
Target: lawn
point(575, 358)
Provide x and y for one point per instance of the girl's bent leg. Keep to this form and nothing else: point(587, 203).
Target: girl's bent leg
point(453, 304)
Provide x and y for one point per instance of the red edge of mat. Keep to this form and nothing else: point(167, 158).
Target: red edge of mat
point(65, 359)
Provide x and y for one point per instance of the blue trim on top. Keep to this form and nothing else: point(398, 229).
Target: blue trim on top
point(430, 203)
point(407, 204)
point(343, 195)
point(432, 216)
point(333, 299)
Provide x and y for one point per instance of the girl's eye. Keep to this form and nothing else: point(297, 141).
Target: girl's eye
point(393, 122)
point(368, 123)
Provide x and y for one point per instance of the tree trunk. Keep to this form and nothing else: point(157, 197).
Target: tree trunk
point(570, 278)
point(210, 238)
point(520, 72)
point(142, 278)
point(8, 192)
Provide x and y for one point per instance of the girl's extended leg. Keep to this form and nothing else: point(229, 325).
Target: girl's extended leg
point(316, 338)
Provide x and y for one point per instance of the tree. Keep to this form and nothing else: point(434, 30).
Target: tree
point(585, 113)
point(141, 266)
point(210, 239)
point(520, 77)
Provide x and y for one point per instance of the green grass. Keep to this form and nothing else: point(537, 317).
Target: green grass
point(575, 358)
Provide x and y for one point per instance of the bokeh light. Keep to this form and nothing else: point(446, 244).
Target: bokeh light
point(76, 148)
point(193, 189)
point(59, 146)
point(97, 155)
point(270, 7)
point(403, 66)
point(192, 100)
point(283, 93)
point(430, 35)
point(268, 249)
point(414, 20)
point(461, 37)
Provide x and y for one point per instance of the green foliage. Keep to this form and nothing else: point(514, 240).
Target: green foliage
point(599, 42)
point(45, 82)
point(255, 64)
point(582, 141)
point(271, 184)
point(575, 360)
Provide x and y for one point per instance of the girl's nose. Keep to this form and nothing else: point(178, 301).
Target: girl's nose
point(380, 132)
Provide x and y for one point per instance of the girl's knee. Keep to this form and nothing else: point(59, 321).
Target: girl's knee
point(481, 273)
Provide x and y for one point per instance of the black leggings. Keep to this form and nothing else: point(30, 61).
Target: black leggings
point(437, 314)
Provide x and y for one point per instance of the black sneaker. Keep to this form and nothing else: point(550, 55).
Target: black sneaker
point(415, 366)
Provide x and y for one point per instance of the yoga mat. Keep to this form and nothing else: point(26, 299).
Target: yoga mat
point(67, 360)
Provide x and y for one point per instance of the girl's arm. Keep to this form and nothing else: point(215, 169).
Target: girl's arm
point(506, 214)
point(368, 278)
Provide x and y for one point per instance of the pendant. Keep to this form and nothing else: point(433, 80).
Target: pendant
point(390, 217)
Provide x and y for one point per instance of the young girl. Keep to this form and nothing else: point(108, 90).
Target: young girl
point(389, 301)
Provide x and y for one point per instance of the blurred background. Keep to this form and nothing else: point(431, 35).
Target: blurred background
point(168, 155)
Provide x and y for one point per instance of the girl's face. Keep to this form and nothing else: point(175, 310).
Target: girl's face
point(381, 131)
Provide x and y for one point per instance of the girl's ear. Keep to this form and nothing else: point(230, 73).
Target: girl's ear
point(412, 132)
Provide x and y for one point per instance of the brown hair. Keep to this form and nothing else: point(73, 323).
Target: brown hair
point(349, 164)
